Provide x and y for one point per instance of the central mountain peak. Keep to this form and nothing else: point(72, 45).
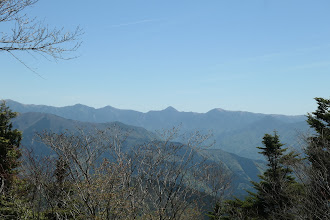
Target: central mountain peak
point(170, 109)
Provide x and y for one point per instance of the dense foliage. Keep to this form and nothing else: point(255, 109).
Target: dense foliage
point(9, 146)
point(9, 154)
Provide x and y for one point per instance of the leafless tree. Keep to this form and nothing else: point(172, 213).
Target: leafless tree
point(93, 176)
point(313, 173)
point(174, 176)
point(28, 35)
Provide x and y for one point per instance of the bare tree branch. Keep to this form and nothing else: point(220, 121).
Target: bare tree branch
point(29, 35)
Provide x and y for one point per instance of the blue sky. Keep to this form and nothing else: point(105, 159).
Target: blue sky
point(269, 56)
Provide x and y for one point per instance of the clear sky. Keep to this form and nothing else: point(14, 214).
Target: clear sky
point(269, 56)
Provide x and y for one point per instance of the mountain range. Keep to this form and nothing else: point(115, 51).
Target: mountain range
point(233, 131)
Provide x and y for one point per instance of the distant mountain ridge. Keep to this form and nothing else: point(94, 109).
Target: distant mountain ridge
point(234, 131)
point(109, 113)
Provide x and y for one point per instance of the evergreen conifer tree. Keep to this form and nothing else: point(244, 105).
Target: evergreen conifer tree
point(277, 191)
point(9, 147)
point(275, 194)
point(318, 154)
point(9, 154)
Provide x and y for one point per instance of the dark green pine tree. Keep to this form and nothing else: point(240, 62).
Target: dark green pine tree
point(277, 192)
point(9, 154)
point(318, 154)
point(10, 140)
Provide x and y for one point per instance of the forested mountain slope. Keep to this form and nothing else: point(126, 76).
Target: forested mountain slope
point(242, 169)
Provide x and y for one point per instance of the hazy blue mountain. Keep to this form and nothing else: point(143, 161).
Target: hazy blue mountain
point(241, 141)
point(243, 169)
point(234, 131)
point(32, 122)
